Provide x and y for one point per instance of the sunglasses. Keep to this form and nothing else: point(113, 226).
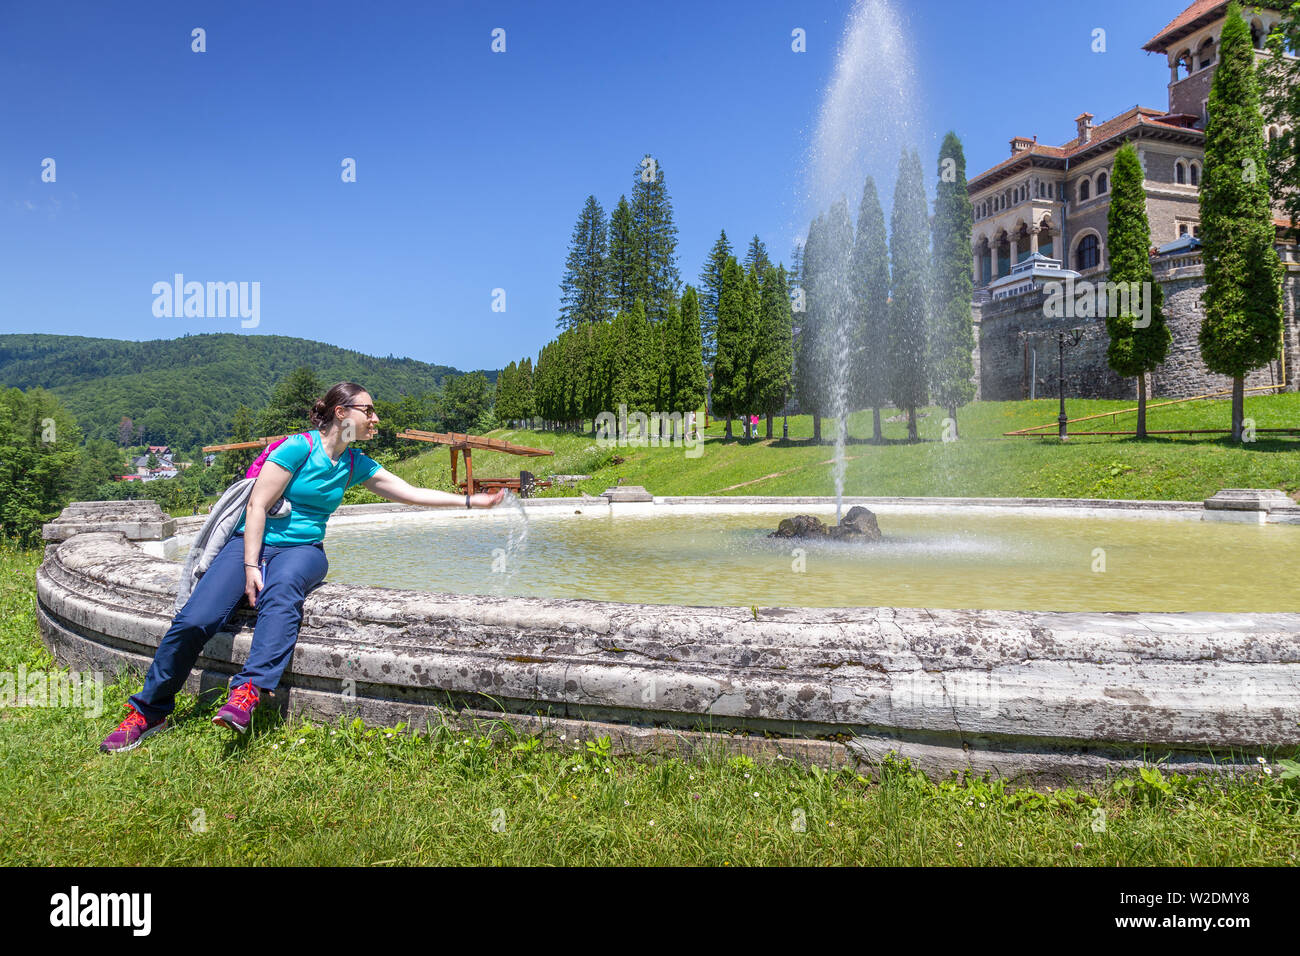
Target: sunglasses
point(366, 410)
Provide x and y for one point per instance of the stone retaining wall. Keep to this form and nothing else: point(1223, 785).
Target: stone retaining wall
point(1011, 329)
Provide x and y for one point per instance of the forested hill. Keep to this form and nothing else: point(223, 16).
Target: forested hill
point(184, 391)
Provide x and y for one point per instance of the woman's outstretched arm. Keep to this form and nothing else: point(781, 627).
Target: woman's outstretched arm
point(387, 485)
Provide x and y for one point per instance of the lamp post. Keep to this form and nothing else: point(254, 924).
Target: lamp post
point(1075, 337)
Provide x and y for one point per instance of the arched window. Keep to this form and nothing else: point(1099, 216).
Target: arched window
point(1102, 183)
point(1182, 230)
point(1196, 174)
point(1205, 55)
point(1180, 173)
point(1257, 34)
point(1085, 190)
point(1088, 254)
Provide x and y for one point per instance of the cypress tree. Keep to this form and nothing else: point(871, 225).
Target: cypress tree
point(753, 307)
point(621, 275)
point(773, 344)
point(952, 338)
point(835, 289)
point(1243, 275)
point(1280, 86)
point(688, 385)
point(810, 380)
point(870, 266)
point(1134, 351)
point(583, 293)
point(910, 281)
point(524, 390)
point(710, 287)
point(654, 236)
point(503, 403)
point(734, 345)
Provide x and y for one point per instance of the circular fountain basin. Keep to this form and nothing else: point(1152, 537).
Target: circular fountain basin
point(1048, 692)
point(929, 557)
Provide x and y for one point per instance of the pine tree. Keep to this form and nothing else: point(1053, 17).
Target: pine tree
point(1134, 351)
point(1243, 275)
point(773, 345)
point(689, 378)
point(756, 259)
point(657, 282)
point(870, 267)
point(734, 345)
point(621, 267)
point(710, 287)
point(583, 293)
point(910, 282)
point(952, 336)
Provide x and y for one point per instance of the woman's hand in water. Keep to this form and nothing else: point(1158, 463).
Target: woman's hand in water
point(483, 500)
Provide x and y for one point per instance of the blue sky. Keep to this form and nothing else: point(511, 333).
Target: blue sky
point(471, 165)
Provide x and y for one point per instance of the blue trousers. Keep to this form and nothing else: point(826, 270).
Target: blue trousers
point(290, 572)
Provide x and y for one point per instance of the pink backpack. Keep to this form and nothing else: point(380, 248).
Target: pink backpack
point(255, 468)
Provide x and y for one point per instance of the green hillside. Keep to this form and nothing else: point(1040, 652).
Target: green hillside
point(184, 391)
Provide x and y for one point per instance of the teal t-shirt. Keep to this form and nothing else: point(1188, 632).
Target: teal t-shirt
point(315, 491)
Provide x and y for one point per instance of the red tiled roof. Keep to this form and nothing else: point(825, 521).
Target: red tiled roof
point(1210, 10)
point(1193, 13)
point(1138, 116)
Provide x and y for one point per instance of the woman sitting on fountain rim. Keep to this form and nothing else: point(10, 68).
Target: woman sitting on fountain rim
point(274, 562)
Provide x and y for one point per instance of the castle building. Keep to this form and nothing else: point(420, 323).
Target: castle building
point(1041, 214)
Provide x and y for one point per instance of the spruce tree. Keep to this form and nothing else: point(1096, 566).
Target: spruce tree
point(1243, 276)
point(734, 345)
point(952, 336)
point(773, 345)
point(621, 268)
point(654, 236)
point(1134, 350)
point(756, 259)
point(689, 378)
point(870, 267)
point(583, 294)
point(910, 283)
point(710, 287)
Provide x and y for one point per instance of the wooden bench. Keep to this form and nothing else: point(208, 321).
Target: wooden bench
point(492, 484)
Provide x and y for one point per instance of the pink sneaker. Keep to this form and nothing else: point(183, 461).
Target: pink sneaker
point(131, 732)
point(238, 710)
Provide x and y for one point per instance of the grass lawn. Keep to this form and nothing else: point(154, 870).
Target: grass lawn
point(981, 463)
point(294, 793)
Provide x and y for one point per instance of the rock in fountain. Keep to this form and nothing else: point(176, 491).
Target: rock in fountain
point(858, 525)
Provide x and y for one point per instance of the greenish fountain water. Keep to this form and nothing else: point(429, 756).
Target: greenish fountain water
point(950, 560)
